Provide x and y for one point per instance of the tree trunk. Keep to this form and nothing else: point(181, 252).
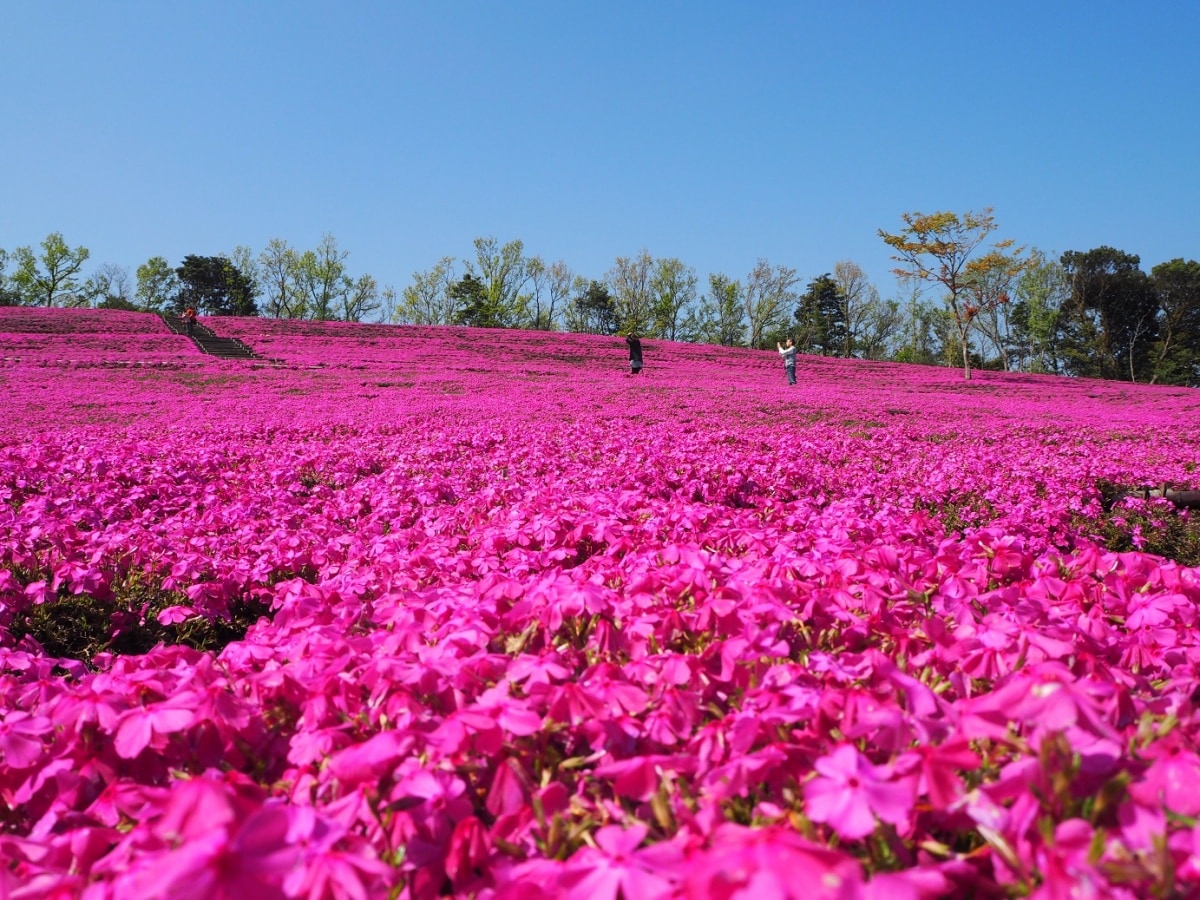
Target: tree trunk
point(962, 340)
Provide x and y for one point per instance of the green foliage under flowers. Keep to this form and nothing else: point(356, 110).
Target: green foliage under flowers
point(79, 626)
point(961, 513)
point(1153, 526)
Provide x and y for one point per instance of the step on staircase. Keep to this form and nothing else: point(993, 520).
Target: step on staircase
point(208, 342)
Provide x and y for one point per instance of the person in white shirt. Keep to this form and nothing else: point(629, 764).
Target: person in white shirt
point(789, 359)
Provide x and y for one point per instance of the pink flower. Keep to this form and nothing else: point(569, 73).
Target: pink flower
point(1171, 782)
point(226, 860)
point(21, 741)
point(138, 728)
point(640, 776)
point(940, 765)
point(772, 862)
point(370, 760)
point(615, 867)
point(467, 851)
point(850, 792)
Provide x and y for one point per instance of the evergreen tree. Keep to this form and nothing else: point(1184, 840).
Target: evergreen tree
point(594, 312)
point(472, 304)
point(1110, 318)
point(215, 287)
point(820, 318)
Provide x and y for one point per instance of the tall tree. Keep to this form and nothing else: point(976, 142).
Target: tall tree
point(719, 317)
point(769, 294)
point(860, 305)
point(472, 306)
point(279, 273)
point(989, 291)
point(937, 248)
point(1109, 321)
point(673, 287)
point(879, 329)
point(215, 286)
point(503, 272)
point(111, 287)
point(919, 341)
point(820, 323)
point(632, 293)
point(244, 260)
point(549, 291)
point(593, 310)
point(157, 284)
point(313, 284)
point(427, 300)
point(1040, 293)
point(360, 298)
point(1176, 355)
point(8, 293)
point(322, 279)
point(53, 277)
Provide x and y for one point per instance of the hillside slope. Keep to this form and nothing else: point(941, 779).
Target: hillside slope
point(63, 368)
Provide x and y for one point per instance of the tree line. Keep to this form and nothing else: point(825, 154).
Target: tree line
point(957, 300)
point(281, 282)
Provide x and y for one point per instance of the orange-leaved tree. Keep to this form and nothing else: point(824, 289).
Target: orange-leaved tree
point(938, 247)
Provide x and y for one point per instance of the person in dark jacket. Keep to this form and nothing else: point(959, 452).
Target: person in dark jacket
point(635, 352)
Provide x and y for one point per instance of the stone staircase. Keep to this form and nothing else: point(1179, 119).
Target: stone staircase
point(208, 341)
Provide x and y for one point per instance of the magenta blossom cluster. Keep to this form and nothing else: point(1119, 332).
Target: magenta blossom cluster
point(579, 635)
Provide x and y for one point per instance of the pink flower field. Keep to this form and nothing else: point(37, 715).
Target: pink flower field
point(416, 612)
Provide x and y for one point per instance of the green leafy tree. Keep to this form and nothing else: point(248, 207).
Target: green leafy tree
point(629, 280)
point(322, 280)
point(427, 300)
point(937, 248)
point(503, 272)
point(1110, 317)
point(726, 309)
point(360, 299)
point(1040, 292)
point(768, 295)
point(215, 286)
point(989, 293)
point(314, 284)
point(919, 342)
point(279, 274)
point(947, 339)
point(8, 294)
point(549, 293)
point(157, 285)
point(721, 315)
point(880, 327)
point(53, 277)
point(820, 322)
point(860, 306)
point(246, 262)
point(673, 288)
point(1175, 356)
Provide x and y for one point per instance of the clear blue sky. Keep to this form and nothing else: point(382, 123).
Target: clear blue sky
point(714, 132)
